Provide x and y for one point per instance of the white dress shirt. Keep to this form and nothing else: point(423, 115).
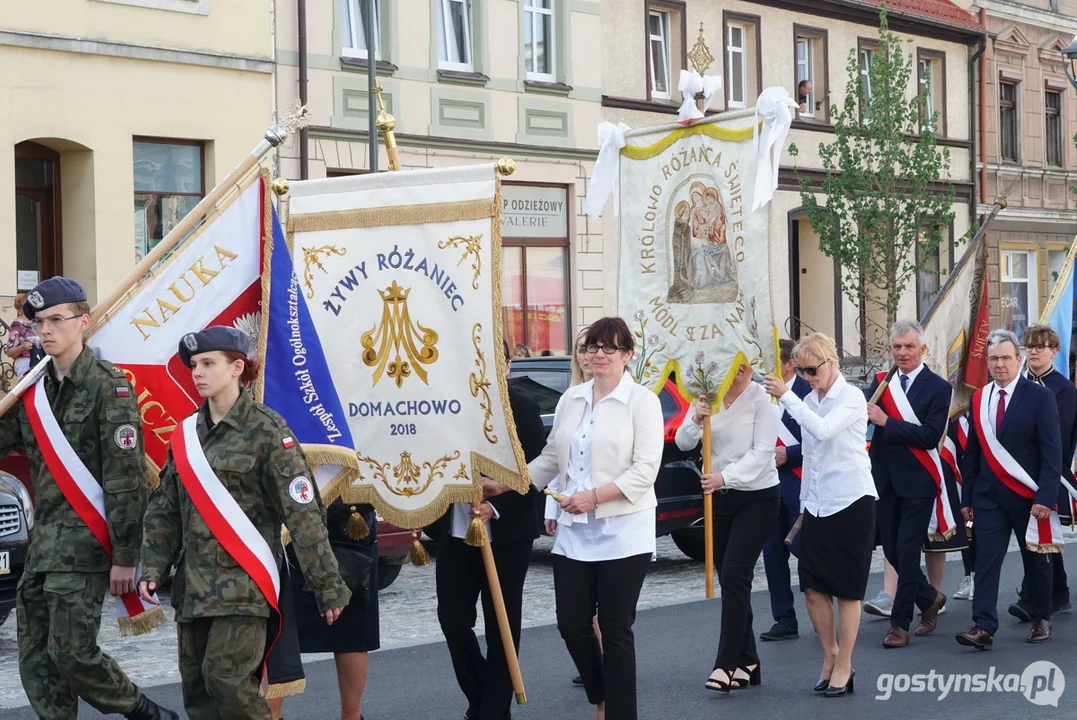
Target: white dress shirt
point(993, 397)
point(912, 377)
point(743, 437)
point(837, 471)
point(461, 518)
point(586, 537)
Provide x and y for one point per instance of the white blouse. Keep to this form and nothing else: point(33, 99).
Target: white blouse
point(837, 471)
point(743, 437)
point(585, 537)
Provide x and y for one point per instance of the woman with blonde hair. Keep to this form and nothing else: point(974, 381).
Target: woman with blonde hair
point(837, 500)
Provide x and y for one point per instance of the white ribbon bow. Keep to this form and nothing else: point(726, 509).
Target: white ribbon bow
point(611, 138)
point(776, 108)
point(691, 84)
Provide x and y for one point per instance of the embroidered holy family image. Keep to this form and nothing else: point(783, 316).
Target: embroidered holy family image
point(704, 270)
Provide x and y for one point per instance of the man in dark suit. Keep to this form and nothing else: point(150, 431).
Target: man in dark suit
point(512, 522)
point(1041, 345)
point(787, 456)
point(1017, 420)
point(910, 421)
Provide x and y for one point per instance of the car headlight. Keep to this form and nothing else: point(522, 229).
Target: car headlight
point(26, 502)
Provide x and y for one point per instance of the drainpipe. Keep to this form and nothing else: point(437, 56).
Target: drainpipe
point(977, 128)
point(983, 110)
point(301, 23)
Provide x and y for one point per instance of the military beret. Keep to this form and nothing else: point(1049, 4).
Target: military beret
point(54, 291)
point(216, 337)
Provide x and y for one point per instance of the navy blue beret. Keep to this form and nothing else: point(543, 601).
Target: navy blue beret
point(54, 291)
point(216, 337)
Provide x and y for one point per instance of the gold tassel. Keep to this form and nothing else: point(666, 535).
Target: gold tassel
point(418, 554)
point(285, 536)
point(558, 497)
point(476, 533)
point(283, 690)
point(357, 528)
point(142, 623)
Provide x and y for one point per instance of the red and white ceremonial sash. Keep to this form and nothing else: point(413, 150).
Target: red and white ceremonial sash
point(941, 526)
point(226, 520)
point(1042, 535)
point(787, 439)
point(949, 456)
point(963, 432)
point(87, 497)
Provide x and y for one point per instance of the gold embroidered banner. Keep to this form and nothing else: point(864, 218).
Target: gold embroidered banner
point(401, 275)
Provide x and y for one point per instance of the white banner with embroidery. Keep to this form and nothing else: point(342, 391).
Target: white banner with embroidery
point(694, 279)
point(401, 274)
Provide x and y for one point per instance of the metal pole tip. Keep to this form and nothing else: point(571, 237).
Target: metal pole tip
point(505, 166)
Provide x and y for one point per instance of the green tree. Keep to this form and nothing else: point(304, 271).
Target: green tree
point(880, 171)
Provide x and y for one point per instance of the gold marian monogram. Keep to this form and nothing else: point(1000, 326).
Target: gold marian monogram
point(409, 478)
point(394, 334)
point(472, 246)
point(310, 257)
point(480, 385)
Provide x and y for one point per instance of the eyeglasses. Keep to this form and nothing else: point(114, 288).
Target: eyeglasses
point(607, 349)
point(1039, 347)
point(809, 371)
point(581, 348)
point(996, 359)
point(52, 322)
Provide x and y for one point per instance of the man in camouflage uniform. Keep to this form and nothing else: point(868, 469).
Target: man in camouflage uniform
point(220, 612)
point(68, 572)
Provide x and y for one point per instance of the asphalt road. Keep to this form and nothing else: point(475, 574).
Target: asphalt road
point(675, 649)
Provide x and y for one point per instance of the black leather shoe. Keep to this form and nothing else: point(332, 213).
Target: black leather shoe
point(578, 681)
point(149, 710)
point(1061, 605)
point(779, 632)
point(846, 689)
point(1021, 611)
point(821, 686)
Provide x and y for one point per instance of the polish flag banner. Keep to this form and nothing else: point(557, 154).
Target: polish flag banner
point(212, 278)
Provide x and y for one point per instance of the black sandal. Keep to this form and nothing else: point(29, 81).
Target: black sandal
point(713, 683)
point(752, 677)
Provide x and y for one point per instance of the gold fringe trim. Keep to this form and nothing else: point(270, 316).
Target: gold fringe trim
point(368, 494)
point(417, 553)
point(153, 474)
point(283, 690)
point(267, 257)
point(394, 215)
point(1044, 549)
point(357, 527)
point(709, 129)
point(942, 537)
point(143, 622)
point(476, 533)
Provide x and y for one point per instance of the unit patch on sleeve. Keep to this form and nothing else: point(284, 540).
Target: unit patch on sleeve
point(301, 490)
point(126, 437)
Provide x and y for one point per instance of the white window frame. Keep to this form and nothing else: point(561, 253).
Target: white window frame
point(867, 57)
point(732, 50)
point(926, 85)
point(662, 40)
point(1032, 259)
point(352, 24)
point(809, 74)
point(449, 37)
point(531, 13)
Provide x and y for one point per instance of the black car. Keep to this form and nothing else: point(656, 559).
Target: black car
point(16, 521)
point(680, 502)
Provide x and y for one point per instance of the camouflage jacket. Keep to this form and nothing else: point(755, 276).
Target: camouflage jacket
point(257, 460)
point(96, 407)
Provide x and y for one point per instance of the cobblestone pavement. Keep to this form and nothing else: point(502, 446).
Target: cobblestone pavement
point(408, 614)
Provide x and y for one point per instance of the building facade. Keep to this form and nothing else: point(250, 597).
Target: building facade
point(117, 117)
point(1026, 152)
point(468, 81)
point(762, 43)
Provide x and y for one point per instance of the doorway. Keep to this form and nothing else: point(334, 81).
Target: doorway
point(38, 244)
point(814, 295)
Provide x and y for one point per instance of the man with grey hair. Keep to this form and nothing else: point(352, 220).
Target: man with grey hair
point(1011, 472)
point(910, 421)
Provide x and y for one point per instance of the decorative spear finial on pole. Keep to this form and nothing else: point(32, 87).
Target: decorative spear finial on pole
point(386, 124)
point(701, 59)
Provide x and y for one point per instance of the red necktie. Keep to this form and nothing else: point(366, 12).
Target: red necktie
point(1000, 412)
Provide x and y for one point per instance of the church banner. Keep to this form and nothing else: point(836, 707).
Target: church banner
point(694, 279)
point(400, 274)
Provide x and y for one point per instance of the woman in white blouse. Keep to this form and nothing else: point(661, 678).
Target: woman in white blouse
point(837, 498)
point(746, 500)
point(605, 534)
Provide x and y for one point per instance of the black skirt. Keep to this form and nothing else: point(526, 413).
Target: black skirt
point(961, 538)
point(835, 551)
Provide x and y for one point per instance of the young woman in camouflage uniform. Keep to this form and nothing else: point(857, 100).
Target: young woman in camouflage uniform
point(220, 611)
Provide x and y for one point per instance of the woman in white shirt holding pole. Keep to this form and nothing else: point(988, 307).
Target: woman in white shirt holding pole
point(605, 534)
point(837, 500)
point(746, 500)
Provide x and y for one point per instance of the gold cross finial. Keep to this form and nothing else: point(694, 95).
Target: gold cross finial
point(700, 55)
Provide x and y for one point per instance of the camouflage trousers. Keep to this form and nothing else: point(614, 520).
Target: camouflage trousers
point(220, 666)
point(59, 659)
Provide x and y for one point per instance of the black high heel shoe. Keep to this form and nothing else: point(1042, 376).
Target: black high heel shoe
point(713, 683)
point(755, 677)
point(821, 686)
point(846, 689)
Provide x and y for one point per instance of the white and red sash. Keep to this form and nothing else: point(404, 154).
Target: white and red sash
point(941, 526)
point(225, 518)
point(949, 456)
point(787, 439)
point(1042, 535)
point(87, 498)
point(963, 432)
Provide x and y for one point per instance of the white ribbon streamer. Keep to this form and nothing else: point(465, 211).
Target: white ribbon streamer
point(776, 108)
point(691, 84)
point(604, 177)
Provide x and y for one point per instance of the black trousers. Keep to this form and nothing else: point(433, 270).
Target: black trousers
point(968, 555)
point(1060, 588)
point(742, 521)
point(612, 588)
point(992, 528)
point(902, 527)
point(776, 564)
point(461, 579)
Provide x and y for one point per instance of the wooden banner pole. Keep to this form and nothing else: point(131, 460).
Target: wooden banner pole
point(708, 513)
point(503, 623)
